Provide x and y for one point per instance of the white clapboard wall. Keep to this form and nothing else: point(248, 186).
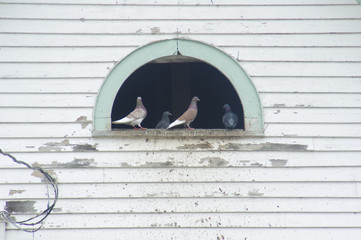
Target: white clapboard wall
point(300, 181)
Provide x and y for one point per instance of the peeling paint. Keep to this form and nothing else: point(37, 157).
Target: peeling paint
point(214, 161)
point(76, 163)
point(83, 120)
point(13, 192)
point(155, 30)
point(278, 162)
point(59, 146)
point(38, 174)
point(255, 193)
point(264, 147)
point(85, 147)
point(158, 164)
point(206, 145)
point(20, 206)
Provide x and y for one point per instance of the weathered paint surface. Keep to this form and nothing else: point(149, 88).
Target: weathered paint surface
point(301, 180)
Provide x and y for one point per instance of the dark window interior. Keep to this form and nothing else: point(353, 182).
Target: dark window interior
point(170, 87)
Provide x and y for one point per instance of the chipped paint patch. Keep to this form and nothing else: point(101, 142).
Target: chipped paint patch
point(255, 193)
point(85, 147)
point(13, 192)
point(155, 30)
point(206, 145)
point(20, 206)
point(83, 120)
point(214, 161)
point(38, 174)
point(278, 162)
point(54, 146)
point(60, 146)
point(76, 163)
point(158, 164)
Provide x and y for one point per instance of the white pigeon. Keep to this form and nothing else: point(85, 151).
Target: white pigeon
point(188, 116)
point(136, 117)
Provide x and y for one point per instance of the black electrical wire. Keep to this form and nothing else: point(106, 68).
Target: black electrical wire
point(38, 220)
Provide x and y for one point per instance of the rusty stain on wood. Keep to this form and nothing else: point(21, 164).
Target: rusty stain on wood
point(20, 206)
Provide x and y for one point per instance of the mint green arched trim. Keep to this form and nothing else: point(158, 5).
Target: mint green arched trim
point(241, 82)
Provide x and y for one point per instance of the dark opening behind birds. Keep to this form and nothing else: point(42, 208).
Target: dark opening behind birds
point(171, 86)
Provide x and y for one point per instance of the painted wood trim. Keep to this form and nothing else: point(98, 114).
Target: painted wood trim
point(240, 80)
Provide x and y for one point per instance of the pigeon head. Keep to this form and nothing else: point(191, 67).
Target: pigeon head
point(166, 114)
point(194, 102)
point(227, 108)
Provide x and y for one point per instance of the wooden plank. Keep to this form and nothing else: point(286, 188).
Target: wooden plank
point(302, 69)
point(203, 220)
point(186, 144)
point(68, 85)
point(191, 234)
point(312, 115)
point(242, 191)
point(184, 159)
point(314, 130)
point(188, 175)
point(55, 70)
point(47, 100)
point(194, 205)
point(224, 40)
point(178, 28)
point(83, 128)
point(80, 128)
point(310, 100)
point(186, 2)
point(47, 115)
point(254, 69)
point(107, 54)
point(176, 12)
point(308, 84)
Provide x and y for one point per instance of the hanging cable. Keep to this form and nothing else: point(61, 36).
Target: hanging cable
point(36, 222)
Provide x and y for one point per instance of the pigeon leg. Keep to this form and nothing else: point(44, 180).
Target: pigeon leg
point(135, 128)
point(142, 127)
point(190, 128)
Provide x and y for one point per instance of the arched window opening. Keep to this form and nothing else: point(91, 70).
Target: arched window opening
point(167, 74)
point(169, 86)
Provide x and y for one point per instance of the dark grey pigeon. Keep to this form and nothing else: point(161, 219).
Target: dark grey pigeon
point(164, 122)
point(230, 119)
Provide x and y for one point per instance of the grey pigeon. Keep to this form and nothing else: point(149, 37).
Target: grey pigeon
point(135, 117)
point(164, 122)
point(188, 116)
point(230, 119)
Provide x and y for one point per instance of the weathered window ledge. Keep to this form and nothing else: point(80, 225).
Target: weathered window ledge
point(176, 133)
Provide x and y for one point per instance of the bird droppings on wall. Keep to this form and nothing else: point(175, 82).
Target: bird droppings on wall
point(83, 120)
point(278, 162)
point(264, 147)
point(20, 206)
point(214, 161)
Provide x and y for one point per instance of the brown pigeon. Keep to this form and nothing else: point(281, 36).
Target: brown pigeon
point(135, 117)
point(188, 116)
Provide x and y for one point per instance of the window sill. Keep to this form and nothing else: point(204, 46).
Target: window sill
point(176, 133)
